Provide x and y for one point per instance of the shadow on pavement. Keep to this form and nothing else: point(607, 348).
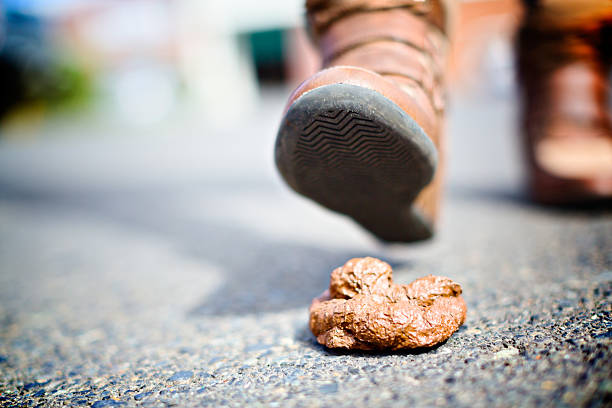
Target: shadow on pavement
point(260, 274)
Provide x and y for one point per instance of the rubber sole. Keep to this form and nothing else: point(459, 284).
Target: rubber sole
point(356, 152)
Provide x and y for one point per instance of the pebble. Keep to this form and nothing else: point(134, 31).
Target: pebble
point(142, 395)
point(505, 353)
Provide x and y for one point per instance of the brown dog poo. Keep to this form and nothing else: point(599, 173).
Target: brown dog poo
point(364, 309)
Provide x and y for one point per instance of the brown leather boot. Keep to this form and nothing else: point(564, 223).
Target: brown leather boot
point(363, 136)
point(564, 61)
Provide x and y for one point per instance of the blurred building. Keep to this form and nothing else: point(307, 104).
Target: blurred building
point(143, 59)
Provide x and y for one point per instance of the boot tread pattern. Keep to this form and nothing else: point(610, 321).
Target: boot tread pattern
point(341, 146)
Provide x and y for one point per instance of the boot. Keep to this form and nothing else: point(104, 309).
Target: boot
point(564, 51)
point(363, 137)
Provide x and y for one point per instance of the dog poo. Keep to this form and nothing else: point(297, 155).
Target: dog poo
point(363, 309)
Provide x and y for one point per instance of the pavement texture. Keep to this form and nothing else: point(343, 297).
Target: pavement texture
point(171, 267)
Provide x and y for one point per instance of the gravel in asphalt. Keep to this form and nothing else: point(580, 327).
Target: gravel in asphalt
point(194, 292)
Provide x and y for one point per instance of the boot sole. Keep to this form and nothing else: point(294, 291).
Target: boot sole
point(356, 152)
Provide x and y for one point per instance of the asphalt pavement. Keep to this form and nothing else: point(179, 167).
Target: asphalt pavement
point(170, 266)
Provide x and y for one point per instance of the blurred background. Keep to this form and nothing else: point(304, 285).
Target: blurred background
point(142, 60)
point(105, 93)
